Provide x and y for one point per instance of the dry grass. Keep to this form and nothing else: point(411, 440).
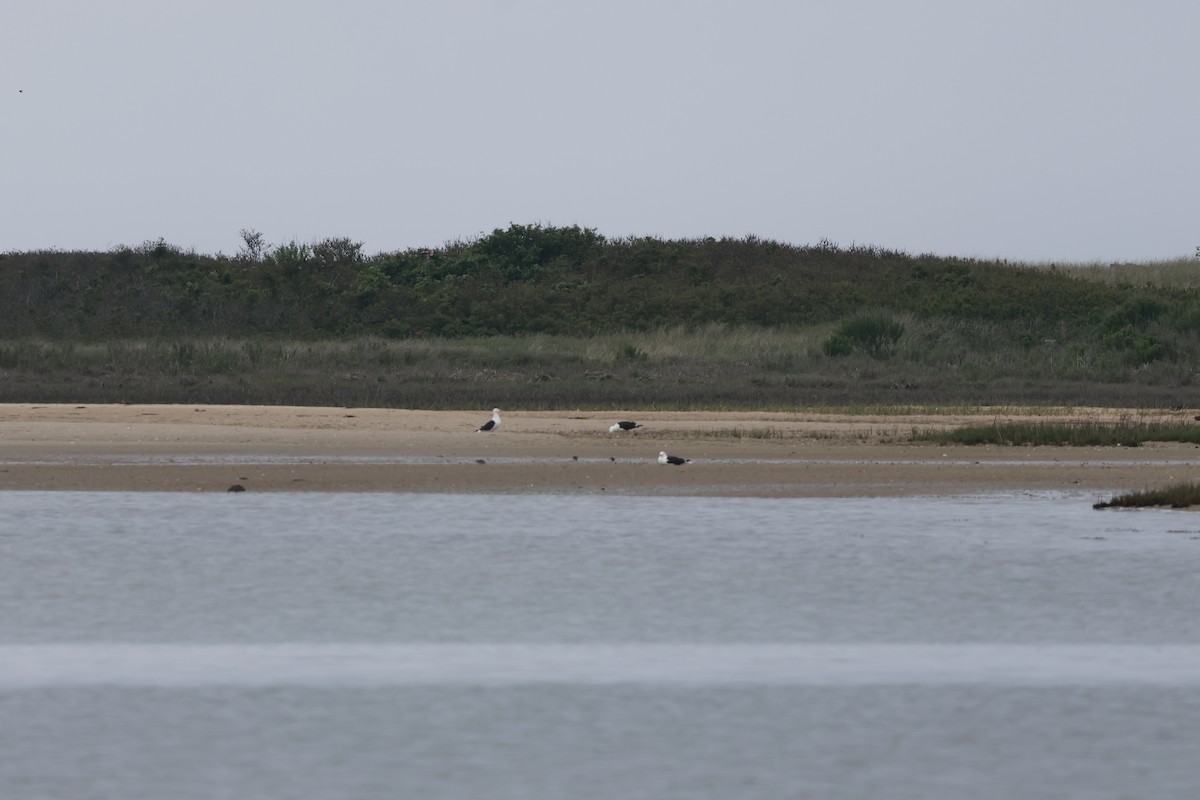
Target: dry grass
point(1175, 273)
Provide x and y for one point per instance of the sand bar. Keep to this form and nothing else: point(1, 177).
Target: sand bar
point(760, 454)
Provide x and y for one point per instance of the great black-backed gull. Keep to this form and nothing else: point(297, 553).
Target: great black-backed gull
point(492, 423)
point(663, 458)
point(623, 426)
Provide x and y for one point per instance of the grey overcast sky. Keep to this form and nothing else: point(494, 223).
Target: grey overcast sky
point(1035, 130)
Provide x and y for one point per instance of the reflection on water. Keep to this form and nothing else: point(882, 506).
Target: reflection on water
point(440, 646)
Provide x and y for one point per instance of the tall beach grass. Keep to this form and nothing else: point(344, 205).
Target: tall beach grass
point(1172, 273)
point(936, 363)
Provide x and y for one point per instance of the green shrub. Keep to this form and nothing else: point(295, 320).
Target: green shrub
point(876, 335)
point(1138, 347)
point(838, 345)
point(1136, 313)
point(631, 353)
point(520, 252)
point(291, 257)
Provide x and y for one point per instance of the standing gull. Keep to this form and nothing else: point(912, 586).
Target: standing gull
point(492, 423)
point(623, 426)
point(663, 458)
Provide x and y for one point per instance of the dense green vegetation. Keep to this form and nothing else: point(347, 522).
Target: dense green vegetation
point(561, 316)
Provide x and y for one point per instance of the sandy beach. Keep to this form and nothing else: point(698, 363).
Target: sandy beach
point(260, 448)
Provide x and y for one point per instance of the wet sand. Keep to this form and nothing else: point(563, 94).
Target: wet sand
point(753, 454)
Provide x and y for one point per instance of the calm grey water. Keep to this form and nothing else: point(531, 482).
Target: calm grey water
point(439, 646)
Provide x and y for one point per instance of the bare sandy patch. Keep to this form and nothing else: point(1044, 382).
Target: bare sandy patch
point(801, 454)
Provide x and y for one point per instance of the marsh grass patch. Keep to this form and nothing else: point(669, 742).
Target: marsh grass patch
point(1124, 433)
point(1180, 495)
